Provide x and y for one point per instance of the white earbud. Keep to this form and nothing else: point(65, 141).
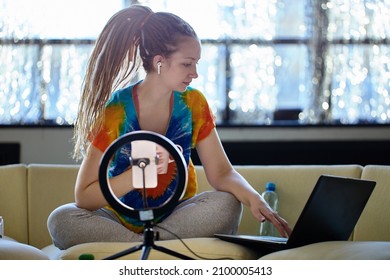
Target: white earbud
point(159, 68)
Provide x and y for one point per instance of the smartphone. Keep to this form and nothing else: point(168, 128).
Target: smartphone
point(143, 149)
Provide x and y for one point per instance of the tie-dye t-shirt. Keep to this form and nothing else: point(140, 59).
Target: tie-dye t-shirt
point(191, 121)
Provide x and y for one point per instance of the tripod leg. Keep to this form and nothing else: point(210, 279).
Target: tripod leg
point(145, 252)
point(172, 253)
point(125, 252)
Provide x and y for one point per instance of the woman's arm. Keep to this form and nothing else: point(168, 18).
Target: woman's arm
point(222, 176)
point(88, 194)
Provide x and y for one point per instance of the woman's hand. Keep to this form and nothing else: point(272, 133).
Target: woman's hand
point(262, 212)
point(164, 158)
point(88, 194)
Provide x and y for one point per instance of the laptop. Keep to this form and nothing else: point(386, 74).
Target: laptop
point(330, 214)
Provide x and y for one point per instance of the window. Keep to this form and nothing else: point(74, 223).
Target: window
point(44, 48)
point(263, 62)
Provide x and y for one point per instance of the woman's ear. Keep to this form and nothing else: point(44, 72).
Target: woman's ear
point(157, 63)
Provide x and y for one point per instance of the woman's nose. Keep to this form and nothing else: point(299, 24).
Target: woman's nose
point(194, 74)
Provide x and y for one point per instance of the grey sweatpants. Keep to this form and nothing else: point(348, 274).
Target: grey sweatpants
point(200, 216)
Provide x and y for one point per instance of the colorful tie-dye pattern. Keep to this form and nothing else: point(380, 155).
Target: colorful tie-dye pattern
point(191, 121)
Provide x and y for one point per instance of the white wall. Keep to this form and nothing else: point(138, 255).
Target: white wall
point(54, 145)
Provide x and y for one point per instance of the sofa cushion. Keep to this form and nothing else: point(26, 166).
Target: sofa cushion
point(13, 201)
point(335, 250)
point(210, 248)
point(52, 251)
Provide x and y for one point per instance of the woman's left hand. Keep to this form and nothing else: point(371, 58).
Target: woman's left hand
point(262, 212)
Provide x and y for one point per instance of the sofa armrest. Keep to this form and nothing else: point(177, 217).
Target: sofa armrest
point(12, 250)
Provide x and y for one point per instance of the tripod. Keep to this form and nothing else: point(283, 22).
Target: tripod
point(147, 245)
point(146, 215)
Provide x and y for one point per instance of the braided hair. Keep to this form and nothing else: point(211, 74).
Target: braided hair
point(131, 38)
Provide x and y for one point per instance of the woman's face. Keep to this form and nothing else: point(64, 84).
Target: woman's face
point(179, 69)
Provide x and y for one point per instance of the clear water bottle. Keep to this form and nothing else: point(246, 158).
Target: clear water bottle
point(1, 227)
point(271, 197)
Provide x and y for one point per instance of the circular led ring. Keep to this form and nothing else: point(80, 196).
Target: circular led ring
point(175, 153)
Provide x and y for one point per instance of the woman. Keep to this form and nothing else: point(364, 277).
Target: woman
point(163, 102)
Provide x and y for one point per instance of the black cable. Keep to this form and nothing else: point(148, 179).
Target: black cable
point(188, 248)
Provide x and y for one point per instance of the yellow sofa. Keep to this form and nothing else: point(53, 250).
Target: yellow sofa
point(28, 194)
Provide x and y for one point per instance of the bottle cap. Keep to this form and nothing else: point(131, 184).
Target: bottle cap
point(270, 186)
point(86, 257)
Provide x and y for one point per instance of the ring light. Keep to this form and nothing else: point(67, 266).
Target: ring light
point(144, 214)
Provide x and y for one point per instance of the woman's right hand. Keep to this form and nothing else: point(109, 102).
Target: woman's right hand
point(88, 194)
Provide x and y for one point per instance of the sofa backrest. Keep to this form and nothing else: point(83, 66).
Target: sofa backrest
point(48, 187)
point(374, 224)
point(13, 201)
point(294, 184)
